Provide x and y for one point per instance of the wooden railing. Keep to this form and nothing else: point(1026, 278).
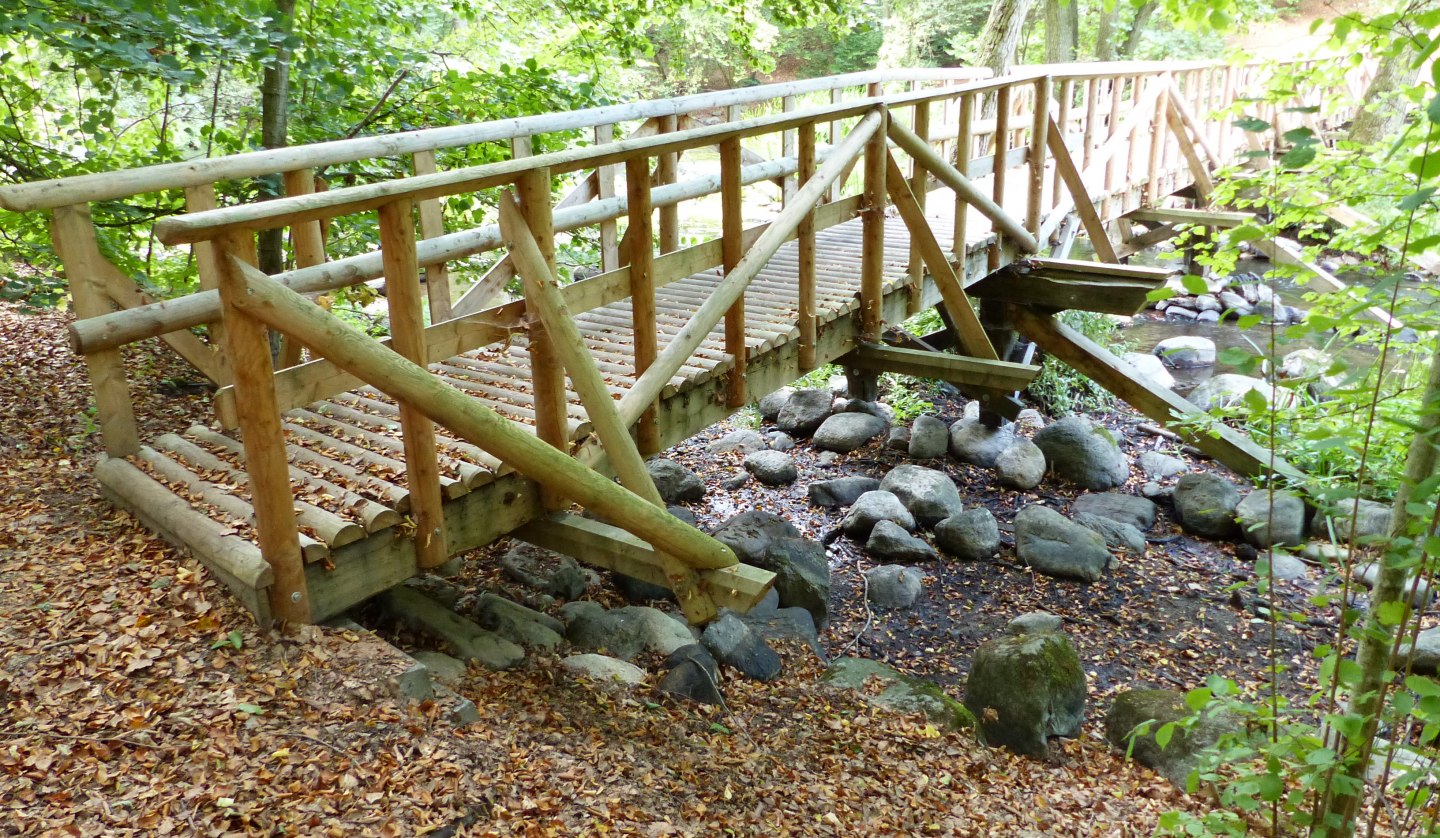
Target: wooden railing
point(1093, 140)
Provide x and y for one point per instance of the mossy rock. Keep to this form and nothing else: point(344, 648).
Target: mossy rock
point(1025, 689)
point(902, 694)
point(1177, 759)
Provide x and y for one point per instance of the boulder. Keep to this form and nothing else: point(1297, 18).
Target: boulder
point(872, 508)
point(735, 645)
point(447, 670)
point(1205, 505)
point(1208, 302)
point(892, 586)
point(803, 412)
point(604, 670)
point(1025, 688)
point(971, 535)
point(1119, 507)
point(773, 468)
point(1186, 352)
point(789, 625)
point(623, 632)
point(1267, 520)
point(779, 441)
point(1084, 453)
point(691, 672)
point(900, 693)
point(1419, 590)
point(929, 438)
point(743, 440)
point(1021, 466)
point(772, 403)
point(676, 483)
point(1055, 546)
point(518, 624)
point(971, 441)
point(930, 495)
point(1157, 466)
point(1034, 622)
point(878, 409)
point(1030, 418)
point(736, 480)
point(845, 432)
point(545, 571)
point(1179, 756)
point(1117, 536)
point(898, 439)
point(1236, 304)
point(638, 590)
point(840, 492)
point(1229, 388)
point(889, 542)
point(1373, 521)
point(751, 533)
point(802, 575)
point(1284, 566)
point(1423, 658)
point(1150, 368)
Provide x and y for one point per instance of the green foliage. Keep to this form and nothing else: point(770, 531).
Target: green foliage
point(1059, 389)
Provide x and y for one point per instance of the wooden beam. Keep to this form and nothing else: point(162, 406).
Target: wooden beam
point(732, 228)
point(432, 225)
point(1000, 143)
point(1282, 252)
point(547, 379)
point(1061, 284)
point(872, 236)
point(1204, 185)
point(1135, 244)
point(1225, 444)
point(1196, 217)
point(1039, 130)
point(919, 177)
point(1084, 207)
point(207, 360)
point(957, 369)
point(806, 253)
point(639, 234)
point(964, 142)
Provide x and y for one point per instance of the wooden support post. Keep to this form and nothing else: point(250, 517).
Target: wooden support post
point(642, 289)
point(1158, 141)
point(665, 170)
point(787, 149)
point(1084, 207)
point(872, 256)
point(432, 225)
point(1067, 92)
point(964, 142)
point(547, 378)
point(407, 338)
point(308, 244)
point(997, 188)
point(1132, 160)
point(200, 199)
point(918, 178)
point(939, 366)
point(805, 244)
point(1203, 184)
point(73, 235)
point(1112, 129)
point(1087, 137)
point(1039, 127)
point(732, 247)
point(248, 347)
point(605, 189)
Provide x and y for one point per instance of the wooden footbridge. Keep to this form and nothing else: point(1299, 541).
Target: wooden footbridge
point(346, 465)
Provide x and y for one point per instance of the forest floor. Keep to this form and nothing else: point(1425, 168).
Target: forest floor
point(139, 698)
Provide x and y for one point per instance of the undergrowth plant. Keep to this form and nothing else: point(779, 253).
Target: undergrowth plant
point(1059, 388)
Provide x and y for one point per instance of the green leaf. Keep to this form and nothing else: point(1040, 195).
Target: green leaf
point(1391, 613)
point(251, 709)
point(1298, 156)
point(1252, 124)
point(1298, 135)
point(1433, 109)
point(1245, 233)
point(1160, 294)
point(1197, 698)
point(1271, 787)
point(1236, 356)
point(1421, 685)
point(716, 727)
point(1416, 200)
point(1195, 284)
point(1249, 321)
point(1164, 734)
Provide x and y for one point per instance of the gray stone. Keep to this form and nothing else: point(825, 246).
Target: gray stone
point(640, 591)
point(1285, 566)
point(441, 590)
point(751, 533)
point(972, 442)
point(872, 508)
point(971, 411)
point(889, 542)
point(929, 437)
point(1419, 591)
point(899, 439)
point(1157, 466)
point(691, 672)
point(773, 468)
point(518, 624)
point(1117, 536)
point(788, 625)
point(1055, 546)
point(1374, 519)
point(450, 568)
point(840, 492)
point(743, 440)
point(1119, 507)
point(930, 495)
point(1030, 418)
point(879, 409)
point(684, 514)
point(845, 432)
point(804, 411)
point(1186, 352)
point(1229, 388)
point(545, 570)
point(604, 670)
point(772, 403)
point(448, 670)
point(1024, 689)
point(972, 535)
point(736, 480)
point(892, 586)
point(735, 645)
point(780, 441)
point(1150, 368)
point(826, 459)
point(1236, 304)
point(1266, 520)
point(839, 386)
point(623, 632)
point(1205, 505)
point(1178, 312)
point(802, 575)
point(1207, 302)
point(1325, 554)
point(1035, 622)
point(1208, 317)
point(1178, 757)
point(1084, 453)
point(901, 693)
point(1424, 657)
point(1021, 466)
point(676, 483)
point(1154, 491)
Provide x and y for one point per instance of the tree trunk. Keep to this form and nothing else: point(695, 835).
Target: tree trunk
point(1379, 116)
point(1373, 654)
point(275, 123)
point(1137, 30)
point(1062, 23)
point(1105, 33)
point(1001, 35)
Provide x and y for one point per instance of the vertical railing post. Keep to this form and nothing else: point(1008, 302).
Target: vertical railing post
point(1159, 138)
point(432, 224)
point(1134, 155)
point(1002, 150)
point(964, 141)
point(407, 337)
point(247, 342)
point(1067, 92)
point(1039, 128)
point(918, 178)
point(642, 288)
point(605, 183)
point(805, 236)
point(547, 376)
point(73, 235)
point(787, 149)
point(1112, 127)
point(666, 166)
point(864, 384)
point(207, 269)
point(832, 137)
point(308, 245)
point(1087, 137)
point(1227, 132)
point(731, 249)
